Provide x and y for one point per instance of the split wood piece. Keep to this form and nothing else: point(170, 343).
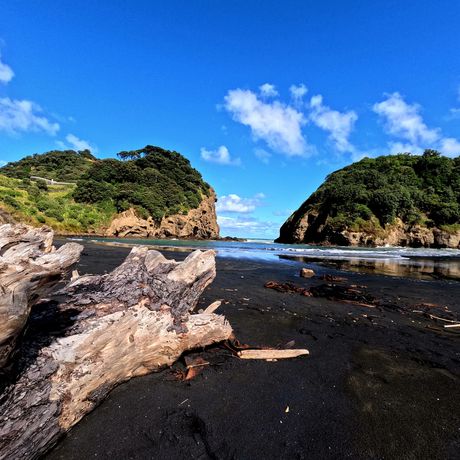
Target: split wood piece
point(30, 266)
point(213, 307)
point(75, 275)
point(130, 322)
point(272, 354)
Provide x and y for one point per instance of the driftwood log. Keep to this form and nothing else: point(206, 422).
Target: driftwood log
point(104, 330)
point(29, 268)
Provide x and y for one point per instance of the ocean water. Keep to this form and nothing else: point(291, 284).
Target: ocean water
point(397, 261)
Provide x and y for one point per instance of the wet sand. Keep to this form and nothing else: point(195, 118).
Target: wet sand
point(379, 383)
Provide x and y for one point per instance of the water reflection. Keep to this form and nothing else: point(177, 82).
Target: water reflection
point(419, 268)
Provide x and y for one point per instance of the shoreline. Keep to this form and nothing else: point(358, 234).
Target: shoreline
point(379, 382)
point(419, 263)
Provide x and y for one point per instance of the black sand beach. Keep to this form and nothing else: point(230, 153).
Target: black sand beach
point(379, 383)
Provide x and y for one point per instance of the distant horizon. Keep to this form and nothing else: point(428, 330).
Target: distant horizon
point(265, 99)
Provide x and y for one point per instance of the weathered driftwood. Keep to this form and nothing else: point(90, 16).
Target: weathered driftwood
point(108, 329)
point(272, 354)
point(29, 268)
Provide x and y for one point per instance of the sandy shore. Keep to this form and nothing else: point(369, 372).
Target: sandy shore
point(379, 383)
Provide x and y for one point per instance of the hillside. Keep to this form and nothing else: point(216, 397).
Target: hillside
point(59, 165)
point(149, 192)
point(401, 200)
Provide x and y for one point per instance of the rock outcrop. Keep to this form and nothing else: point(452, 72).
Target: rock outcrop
point(199, 223)
point(312, 228)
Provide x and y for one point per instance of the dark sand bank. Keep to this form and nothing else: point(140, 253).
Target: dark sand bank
point(381, 386)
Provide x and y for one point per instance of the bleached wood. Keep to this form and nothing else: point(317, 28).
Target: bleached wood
point(272, 354)
point(30, 267)
point(213, 307)
point(108, 329)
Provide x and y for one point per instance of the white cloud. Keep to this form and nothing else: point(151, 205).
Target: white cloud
point(268, 90)
point(79, 144)
point(298, 92)
point(404, 120)
point(339, 125)
point(220, 156)
point(3, 163)
point(246, 226)
point(450, 147)
point(263, 155)
point(454, 114)
point(6, 72)
point(403, 147)
point(278, 124)
point(235, 203)
point(23, 115)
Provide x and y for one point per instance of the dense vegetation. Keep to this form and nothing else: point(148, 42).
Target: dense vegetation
point(65, 165)
point(373, 192)
point(156, 182)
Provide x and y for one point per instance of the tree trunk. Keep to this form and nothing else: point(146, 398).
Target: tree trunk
point(107, 329)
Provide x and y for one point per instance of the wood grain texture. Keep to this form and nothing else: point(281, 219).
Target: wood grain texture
point(107, 329)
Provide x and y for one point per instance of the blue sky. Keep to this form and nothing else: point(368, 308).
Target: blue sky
point(265, 98)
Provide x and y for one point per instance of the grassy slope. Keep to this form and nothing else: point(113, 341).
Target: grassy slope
point(54, 207)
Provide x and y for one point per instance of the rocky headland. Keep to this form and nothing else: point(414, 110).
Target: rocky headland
point(145, 193)
point(399, 200)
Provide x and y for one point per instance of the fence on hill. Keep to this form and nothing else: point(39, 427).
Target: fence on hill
point(51, 181)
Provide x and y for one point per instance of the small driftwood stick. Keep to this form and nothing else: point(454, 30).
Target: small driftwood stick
point(439, 318)
point(109, 328)
point(272, 354)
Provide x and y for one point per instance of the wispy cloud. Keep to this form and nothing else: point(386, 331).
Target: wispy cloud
point(450, 146)
point(268, 90)
point(220, 156)
point(79, 144)
point(454, 114)
point(298, 92)
point(24, 116)
point(404, 121)
point(283, 212)
point(263, 155)
point(6, 72)
point(235, 203)
point(339, 125)
point(276, 123)
point(246, 226)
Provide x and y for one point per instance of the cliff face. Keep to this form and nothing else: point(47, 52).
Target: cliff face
point(312, 228)
point(199, 223)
